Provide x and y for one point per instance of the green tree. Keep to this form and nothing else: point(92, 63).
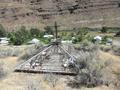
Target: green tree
point(81, 34)
point(49, 30)
point(104, 30)
point(23, 35)
point(35, 32)
point(104, 39)
point(20, 36)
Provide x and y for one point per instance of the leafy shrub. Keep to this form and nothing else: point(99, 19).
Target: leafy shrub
point(106, 48)
point(117, 34)
point(116, 50)
point(105, 39)
point(80, 35)
point(75, 41)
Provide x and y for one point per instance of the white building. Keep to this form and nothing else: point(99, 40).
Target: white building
point(48, 36)
point(66, 41)
point(34, 41)
point(109, 41)
point(4, 41)
point(98, 39)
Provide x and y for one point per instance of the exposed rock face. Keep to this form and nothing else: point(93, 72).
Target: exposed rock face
point(69, 13)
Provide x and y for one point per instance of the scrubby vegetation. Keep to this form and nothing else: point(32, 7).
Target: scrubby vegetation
point(81, 35)
point(117, 34)
point(3, 73)
point(92, 70)
point(9, 51)
point(32, 84)
point(116, 50)
point(51, 79)
point(16, 51)
point(30, 51)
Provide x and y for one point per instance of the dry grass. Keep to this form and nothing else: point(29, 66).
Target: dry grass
point(22, 81)
point(6, 51)
point(115, 60)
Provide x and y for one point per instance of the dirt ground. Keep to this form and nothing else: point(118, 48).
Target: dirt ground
point(23, 81)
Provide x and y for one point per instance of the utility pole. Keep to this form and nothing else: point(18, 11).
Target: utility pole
point(56, 30)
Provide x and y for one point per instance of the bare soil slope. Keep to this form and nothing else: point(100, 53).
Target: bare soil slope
point(69, 13)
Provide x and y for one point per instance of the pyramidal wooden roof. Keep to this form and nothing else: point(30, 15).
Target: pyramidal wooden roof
point(52, 59)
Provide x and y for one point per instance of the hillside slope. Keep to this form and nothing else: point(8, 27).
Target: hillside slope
point(68, 13)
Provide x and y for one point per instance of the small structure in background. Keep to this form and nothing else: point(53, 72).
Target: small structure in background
point(73, 38)
point(48, 36)
point(4, 41)
point(109, 41)
point(34, 41)
point(66, 41)
point(98, 39)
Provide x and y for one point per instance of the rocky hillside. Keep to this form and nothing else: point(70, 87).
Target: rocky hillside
point(68, 13)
